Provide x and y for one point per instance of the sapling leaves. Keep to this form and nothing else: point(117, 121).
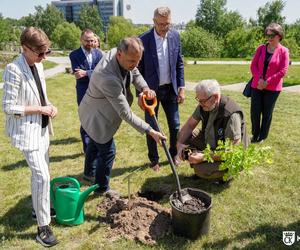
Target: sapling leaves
point(236, 158)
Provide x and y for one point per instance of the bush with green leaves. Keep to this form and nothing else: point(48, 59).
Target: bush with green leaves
point(66, 36)
point(291, 44)
point(236, 158)
point(196, 42)
point(242, 42)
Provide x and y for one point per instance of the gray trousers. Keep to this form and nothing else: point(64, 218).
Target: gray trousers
point(38, 161)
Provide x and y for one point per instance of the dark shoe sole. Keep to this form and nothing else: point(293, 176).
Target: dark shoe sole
point(39, 240)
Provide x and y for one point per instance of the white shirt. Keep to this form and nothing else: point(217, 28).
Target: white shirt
point(88, 55)
point(163, 58)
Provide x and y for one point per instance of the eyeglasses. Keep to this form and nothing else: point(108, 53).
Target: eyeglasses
point(202, 102)
point(270, 36)
point(40, 54)
point(89, 40)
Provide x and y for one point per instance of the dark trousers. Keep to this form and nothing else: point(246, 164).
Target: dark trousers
point(106, 156)
point(262, 106)
point(91, 158)
point(168, 100)
point(88, 146)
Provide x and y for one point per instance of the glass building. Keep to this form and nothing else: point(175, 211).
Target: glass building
point(107, 8)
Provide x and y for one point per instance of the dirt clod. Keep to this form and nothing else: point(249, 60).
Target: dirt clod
point(142, 220)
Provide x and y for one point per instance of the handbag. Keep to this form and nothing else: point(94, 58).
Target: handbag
point(247, 89)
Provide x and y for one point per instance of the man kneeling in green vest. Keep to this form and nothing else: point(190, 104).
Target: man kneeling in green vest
point(221, 118)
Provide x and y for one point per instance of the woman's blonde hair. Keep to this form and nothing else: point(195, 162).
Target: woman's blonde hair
point(35, 38)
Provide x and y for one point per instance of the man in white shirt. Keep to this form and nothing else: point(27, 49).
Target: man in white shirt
point(83, 61)
point(162, 68)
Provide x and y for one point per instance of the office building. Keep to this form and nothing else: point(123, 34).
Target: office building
point(107, 8)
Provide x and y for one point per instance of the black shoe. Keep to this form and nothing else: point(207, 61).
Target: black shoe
point(46, 237)
point(254, 140)
point(88, 178)
point(109, 193)
point(52, 213)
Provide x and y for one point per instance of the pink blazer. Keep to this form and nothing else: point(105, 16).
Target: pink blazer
point(276, 70)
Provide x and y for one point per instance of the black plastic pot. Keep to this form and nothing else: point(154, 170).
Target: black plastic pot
point(195, 224)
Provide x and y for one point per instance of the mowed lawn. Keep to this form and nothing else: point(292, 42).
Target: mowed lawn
point(232, 73)
point(251, 213)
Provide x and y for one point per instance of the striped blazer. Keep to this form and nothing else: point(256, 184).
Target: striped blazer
point(20, 90)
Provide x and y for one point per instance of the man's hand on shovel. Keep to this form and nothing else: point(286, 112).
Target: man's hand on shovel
point(148, 93)
point(157, 136)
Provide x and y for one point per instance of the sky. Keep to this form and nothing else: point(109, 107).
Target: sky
point(141, 11)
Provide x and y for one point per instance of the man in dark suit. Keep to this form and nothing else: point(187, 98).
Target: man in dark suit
point(162, 68)
point(84, 60)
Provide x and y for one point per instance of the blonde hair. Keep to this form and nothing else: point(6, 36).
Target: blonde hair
point(35, 38)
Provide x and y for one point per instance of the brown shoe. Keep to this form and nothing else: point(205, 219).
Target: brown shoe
point(155, 166)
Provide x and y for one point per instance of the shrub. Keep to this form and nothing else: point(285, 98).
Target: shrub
point(66, 36)
point(242, 42)
point(196, 42)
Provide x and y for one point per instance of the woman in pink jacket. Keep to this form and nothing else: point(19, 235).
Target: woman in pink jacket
point(269, 65)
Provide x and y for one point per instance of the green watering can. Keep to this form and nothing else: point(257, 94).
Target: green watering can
point(68, 201)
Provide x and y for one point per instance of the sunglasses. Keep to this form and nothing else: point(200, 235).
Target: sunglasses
point(270, 36)
point(40, 54)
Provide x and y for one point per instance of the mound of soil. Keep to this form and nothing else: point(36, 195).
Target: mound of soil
point(139, 219)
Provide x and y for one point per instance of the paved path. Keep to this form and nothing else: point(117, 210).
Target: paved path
point(64, 62)
point(239, 87)
point(228, 62)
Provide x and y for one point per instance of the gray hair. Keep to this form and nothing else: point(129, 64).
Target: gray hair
point(131, 43)
point(276, 29)
point(162, 11)
point(210, 87)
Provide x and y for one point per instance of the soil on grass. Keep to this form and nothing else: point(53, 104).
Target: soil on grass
point(139, 219)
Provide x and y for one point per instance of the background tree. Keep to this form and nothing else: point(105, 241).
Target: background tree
point(89, 18)
point(5, 31)
point(119, 27)
point(197, 42)
point(242, 42)
point(66, 36)
point(209, 14)
point(270, 12)
point(230, 21)
point(45, 19)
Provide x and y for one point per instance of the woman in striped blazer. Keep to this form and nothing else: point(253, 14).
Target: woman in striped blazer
point(28, 112)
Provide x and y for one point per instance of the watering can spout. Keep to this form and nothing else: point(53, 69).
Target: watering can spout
point(82, 197)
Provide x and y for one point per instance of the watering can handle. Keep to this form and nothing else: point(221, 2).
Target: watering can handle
point(149, 108)
point(62, 180)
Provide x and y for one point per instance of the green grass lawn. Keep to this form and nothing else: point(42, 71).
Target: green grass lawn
point(229, 74)
point(251, 213)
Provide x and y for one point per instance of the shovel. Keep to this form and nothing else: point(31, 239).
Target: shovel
point(151, 110)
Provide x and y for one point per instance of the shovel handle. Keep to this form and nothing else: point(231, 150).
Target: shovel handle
point(149, 108)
